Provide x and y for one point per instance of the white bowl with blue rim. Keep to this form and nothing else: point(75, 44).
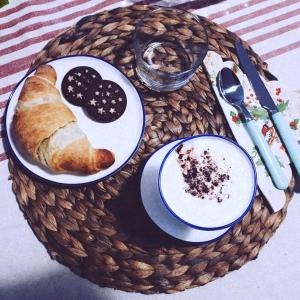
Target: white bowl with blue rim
point(237, 193)
point(159, 213)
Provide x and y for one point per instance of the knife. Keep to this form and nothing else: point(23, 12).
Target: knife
point(267, 102)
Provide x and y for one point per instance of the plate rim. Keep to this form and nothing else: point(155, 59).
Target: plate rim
point(254, 179)
point(153, 221)
point(56, 183)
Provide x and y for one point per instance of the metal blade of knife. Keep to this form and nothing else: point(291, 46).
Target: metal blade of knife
point(257, 84)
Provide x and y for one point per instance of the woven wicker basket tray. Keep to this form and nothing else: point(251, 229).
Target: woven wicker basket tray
point(102, 232)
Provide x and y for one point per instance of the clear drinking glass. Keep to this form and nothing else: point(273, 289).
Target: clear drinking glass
point(170, 44)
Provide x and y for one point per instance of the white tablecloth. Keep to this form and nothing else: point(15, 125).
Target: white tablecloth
point(272, 27)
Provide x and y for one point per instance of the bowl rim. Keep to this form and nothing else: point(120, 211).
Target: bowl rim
point(204, 227)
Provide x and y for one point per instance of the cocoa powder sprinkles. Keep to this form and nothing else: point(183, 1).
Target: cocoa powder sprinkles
point(202, 175)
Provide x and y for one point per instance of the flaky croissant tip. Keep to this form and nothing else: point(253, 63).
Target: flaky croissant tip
point(47, 72)
point(105, 158)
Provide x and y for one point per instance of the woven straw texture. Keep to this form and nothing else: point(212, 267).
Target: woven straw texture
point(101, 232)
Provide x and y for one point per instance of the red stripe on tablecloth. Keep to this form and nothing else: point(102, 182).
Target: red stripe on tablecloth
point(16, 65)
point(69, 17)
point(234, 9)
point(37, 13)
point(30, 42)
point(23, 5)
point(6, 89)
point(274, 33)
point(3, 104)
point(259, 12)
point(3, 156)
point(268, 22)
point(280, 51)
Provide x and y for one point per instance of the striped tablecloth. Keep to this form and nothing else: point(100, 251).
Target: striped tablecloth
point(271, 27)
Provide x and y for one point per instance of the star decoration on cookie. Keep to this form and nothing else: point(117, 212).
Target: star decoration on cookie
point(103, 100)
point(93, 102)
point(111, 102)
point(101, 110)
point(84, 81)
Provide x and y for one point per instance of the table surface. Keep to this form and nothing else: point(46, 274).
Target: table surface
point(271, 27)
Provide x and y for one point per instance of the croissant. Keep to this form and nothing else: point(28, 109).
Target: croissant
point(48, 131)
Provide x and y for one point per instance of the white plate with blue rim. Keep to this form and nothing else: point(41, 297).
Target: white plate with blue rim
point(122, 136)
point(157, 210)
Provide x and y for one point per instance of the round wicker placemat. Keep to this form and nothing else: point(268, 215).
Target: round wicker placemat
point(101, 232)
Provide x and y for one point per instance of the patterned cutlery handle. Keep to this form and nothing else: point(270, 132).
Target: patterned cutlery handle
point(272, 164)
point(288, 139)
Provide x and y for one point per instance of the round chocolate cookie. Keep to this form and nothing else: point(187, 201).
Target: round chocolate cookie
point(107, 103)
point(78, 82)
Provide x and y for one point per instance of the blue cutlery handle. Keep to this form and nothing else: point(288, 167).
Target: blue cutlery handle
point(288, 139)
point(275, 171)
